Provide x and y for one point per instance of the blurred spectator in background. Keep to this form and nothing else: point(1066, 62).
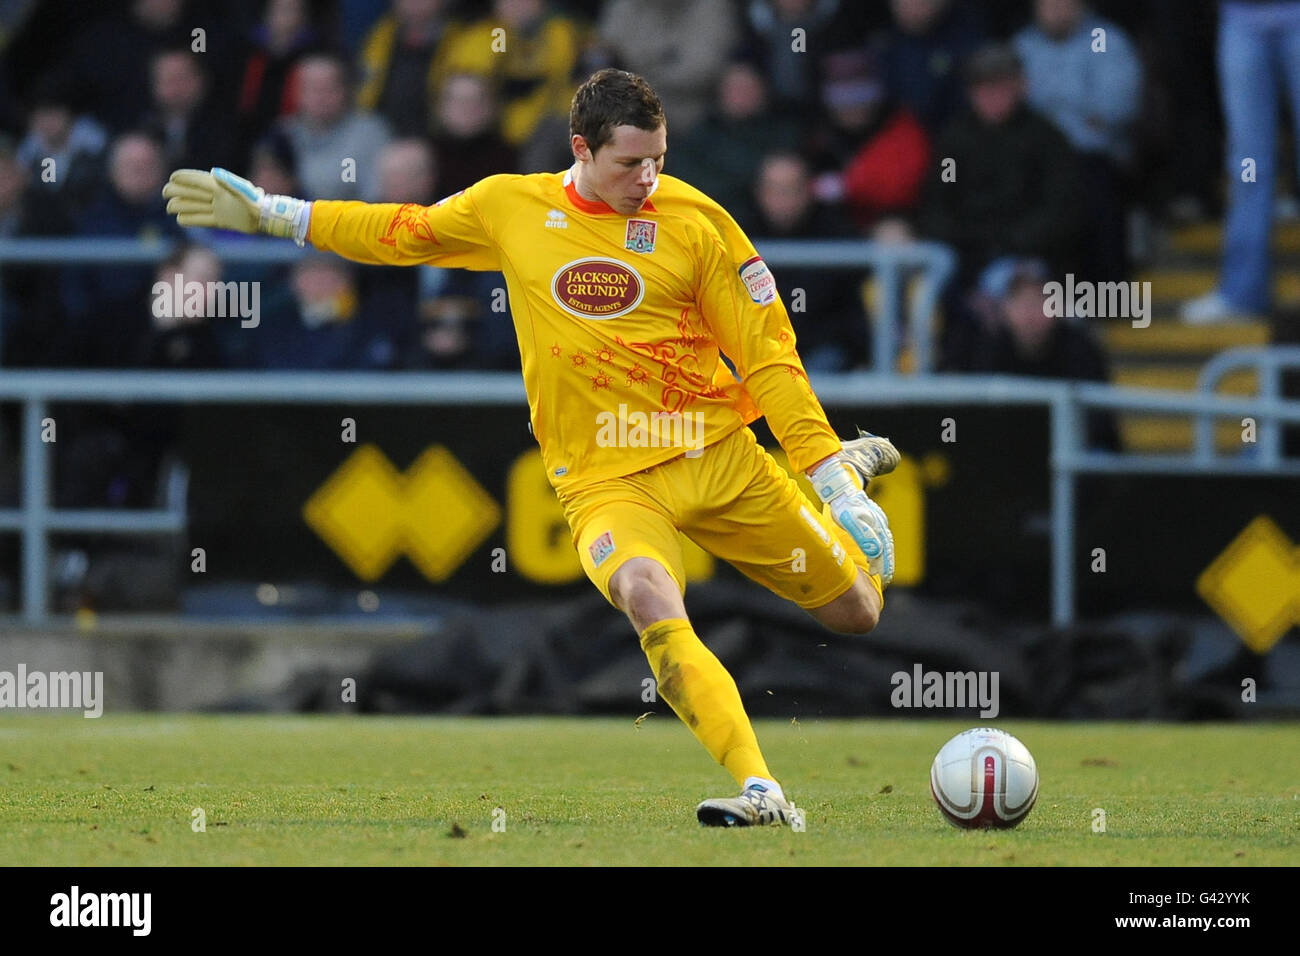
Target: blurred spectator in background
point(1005, 181)
point(112, 55)
point(1259, 51)
point(336, 145)
point(62, 152)
point(170, 341)
point(720, 156)
point(273, 165)
point(284, 33)
point(31, 329)
point(872, 152)
point(465, 134)
point(825, 305)
point(1020, 335)
point(1093, 95)
point(191, 134)
point(102, 300)
point(324, 326)
point(532, 74)
point(792, 74)
point(679, 46)
point(923, 54)
point(397, 63)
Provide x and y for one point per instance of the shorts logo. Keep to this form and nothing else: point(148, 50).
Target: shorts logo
point(597, 288)
point(640, 235)
point(758, 280)
point(601, 549)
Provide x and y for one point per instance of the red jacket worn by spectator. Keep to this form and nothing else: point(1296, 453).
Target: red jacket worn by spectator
point(884, 177)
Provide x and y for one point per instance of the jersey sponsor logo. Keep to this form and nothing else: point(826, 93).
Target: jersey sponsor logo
point(597, 288)
point(556, 219)
point(601, 548)
point(758, 280)
point(641, 235)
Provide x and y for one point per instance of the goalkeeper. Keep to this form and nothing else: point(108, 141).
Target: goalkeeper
point(626, 288)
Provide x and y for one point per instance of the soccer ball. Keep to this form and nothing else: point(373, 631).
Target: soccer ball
point(984, 777)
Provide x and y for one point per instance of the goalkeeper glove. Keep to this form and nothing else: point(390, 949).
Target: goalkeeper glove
point(857, 514)
point(222, 200)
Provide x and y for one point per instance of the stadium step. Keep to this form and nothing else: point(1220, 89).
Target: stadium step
point(1206, 239)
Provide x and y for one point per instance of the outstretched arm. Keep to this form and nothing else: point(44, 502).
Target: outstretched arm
point(449, 234)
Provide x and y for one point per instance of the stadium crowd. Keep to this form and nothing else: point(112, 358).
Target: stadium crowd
point(805, 118)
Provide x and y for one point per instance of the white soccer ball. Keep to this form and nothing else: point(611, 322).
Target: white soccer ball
point(984, 777)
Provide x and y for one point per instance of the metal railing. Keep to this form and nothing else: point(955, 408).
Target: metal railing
point(1267, 361)
point(1067, 405)
point(892, 265)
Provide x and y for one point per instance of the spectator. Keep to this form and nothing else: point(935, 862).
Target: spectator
point(62, 152)
point(397, 63)
point(533, 76)
point(113, 54)
point(1259, 50)
point(192, 134)
point(323, 327)
point(720, 157)
point(180, 341)
point(792, 74)
point(874, 152)
point(102, 302)
point(1093, 97)
point(1022, 336)
point(336, 145)
point(923, 54)
point(828, 315)
point(31, 318)
point(680, 47)
point(284, 34)
point(1015, 191)
point(273, 165)
point(465, 134)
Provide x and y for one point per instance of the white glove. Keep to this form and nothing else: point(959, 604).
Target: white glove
point(857, 514)
point(222, 200)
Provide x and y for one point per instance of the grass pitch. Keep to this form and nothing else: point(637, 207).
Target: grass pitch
point(275, 790)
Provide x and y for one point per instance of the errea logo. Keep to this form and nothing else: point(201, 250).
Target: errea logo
point(556, 219)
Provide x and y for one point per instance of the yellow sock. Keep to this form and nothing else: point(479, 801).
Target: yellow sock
point(701, 692)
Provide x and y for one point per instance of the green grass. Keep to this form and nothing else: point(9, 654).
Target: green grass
point(367, 790)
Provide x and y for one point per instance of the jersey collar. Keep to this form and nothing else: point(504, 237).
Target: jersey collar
point(597, 207)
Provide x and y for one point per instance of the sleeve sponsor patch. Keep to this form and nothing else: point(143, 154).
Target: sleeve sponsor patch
point(601, 548)
point(758, 280)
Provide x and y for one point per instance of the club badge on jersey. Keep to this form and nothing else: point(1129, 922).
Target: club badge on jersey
point(641, 235)
point(758, 280)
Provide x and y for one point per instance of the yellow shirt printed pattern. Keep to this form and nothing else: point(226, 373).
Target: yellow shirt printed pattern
point(621, 321)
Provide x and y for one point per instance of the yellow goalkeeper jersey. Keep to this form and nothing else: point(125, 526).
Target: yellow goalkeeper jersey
point(621, 321)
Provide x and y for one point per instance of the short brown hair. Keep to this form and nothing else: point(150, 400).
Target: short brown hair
point(611, 98)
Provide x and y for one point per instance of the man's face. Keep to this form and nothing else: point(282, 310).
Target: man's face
point(136, 170)
point(177, 83)
point(465, 107)
point(1027, 316)
point(624, 170)
point(1058, 18)
point(322, 94)
point(995, 100)
point(917, 16)
point(783, 191)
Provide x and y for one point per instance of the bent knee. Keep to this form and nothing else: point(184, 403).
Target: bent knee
point(642, 582)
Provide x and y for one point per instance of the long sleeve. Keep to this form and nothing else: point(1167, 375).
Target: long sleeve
point(739, 301)
point(450, 234)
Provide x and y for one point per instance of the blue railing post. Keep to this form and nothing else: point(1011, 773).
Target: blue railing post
point(1067, 443)
point(35, 506)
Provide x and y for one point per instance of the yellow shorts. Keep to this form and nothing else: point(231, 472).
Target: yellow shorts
point(735, 502)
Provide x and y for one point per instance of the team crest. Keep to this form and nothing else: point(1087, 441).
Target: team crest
point(601, 548)
point(640, 235)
